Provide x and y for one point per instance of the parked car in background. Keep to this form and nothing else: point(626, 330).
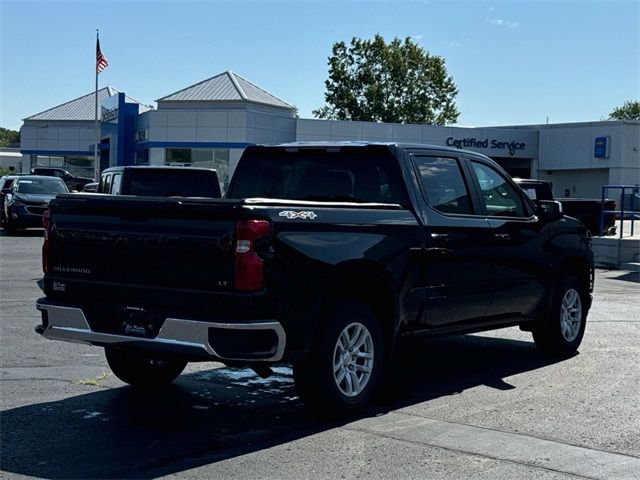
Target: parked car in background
point(28, 199)
point(5, 187)
point(72, 182)
point(160, 182)
point(584, 209)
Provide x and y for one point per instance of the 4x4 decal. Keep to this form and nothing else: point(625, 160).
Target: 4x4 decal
point(291, 215)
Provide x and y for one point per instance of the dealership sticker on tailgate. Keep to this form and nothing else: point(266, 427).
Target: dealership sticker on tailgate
point(304, 215)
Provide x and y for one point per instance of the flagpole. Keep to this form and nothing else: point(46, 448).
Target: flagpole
point(96, 170)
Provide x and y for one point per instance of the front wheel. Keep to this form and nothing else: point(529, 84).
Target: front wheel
point(345, 366)
point(138, 369)
point(562, 332)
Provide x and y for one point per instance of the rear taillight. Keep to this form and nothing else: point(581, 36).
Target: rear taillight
point(248, 274)
point(46, 223)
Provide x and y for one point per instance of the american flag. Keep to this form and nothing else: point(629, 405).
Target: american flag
point(101, 60)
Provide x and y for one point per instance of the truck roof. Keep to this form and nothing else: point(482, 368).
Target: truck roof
point(155, 167)
point(364, 143)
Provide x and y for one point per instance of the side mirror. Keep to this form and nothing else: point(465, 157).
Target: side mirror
point(548, 210)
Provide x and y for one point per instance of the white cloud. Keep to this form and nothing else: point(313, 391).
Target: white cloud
point(491, 9)
point(417, 37)
point(451, 44)
point(502, 23)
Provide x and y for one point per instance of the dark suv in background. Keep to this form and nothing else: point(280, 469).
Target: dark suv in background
point(28, 199)
point(72, 182)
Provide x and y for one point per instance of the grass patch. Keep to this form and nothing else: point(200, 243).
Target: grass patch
point(93, 381)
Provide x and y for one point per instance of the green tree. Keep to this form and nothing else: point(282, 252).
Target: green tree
point(9, 138)
point(629, 111)
point(400, 82)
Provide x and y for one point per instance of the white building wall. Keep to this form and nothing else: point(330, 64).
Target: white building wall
point(234, 157)
point(334, 130)
point(11, 158)
point(571, 146)
point(580, 183)
point(156, 156)
point(62, 136)
point(627, 172)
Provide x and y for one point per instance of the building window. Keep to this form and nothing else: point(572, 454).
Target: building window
point(179, 157)
point(201, 158)
point(142, 157)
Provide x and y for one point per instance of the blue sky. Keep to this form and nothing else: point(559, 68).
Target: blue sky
point(514, 62)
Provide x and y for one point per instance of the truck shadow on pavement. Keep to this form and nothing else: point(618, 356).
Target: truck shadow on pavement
point(216, 414)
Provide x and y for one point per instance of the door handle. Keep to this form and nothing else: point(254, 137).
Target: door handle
point(502, 236)
point(440, 236)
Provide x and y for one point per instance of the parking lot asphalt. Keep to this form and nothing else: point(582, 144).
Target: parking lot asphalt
point(475, 406)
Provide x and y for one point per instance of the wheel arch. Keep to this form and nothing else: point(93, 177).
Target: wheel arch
point(365, 282)
point(579, 267)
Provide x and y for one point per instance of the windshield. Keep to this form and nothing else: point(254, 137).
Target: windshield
point(359, 175)
point(41, 186)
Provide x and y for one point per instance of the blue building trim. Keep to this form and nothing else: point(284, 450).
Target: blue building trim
point(145, 145)
point(57, 153)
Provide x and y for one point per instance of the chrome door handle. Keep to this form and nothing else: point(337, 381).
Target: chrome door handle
point(502, 236)
point(440, 235)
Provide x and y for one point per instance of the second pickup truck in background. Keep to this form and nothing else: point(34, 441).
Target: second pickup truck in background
point(586, 210)
point(72, 182)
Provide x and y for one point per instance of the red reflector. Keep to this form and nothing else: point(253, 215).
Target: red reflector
point(248, 271)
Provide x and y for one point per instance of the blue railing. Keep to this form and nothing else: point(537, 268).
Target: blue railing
point(632, 213)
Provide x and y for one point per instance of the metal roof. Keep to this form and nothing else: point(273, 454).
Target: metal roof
point(225, 87)
point(81, 108)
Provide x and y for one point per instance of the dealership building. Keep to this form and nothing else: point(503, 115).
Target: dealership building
point(210, 123)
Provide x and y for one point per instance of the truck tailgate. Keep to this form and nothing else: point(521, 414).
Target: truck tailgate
point(144, 242)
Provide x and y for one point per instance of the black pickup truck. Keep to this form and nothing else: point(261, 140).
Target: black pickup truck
point(325, 256)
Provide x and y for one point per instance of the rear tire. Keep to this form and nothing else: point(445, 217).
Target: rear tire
point(561, 334)
point(140, 370)
point(344, 368)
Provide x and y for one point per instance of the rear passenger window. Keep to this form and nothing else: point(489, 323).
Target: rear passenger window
point(115, 186)
point(106, 186)
point(443, 185)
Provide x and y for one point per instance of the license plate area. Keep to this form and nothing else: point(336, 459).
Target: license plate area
point(137, 322)
point(132, 321)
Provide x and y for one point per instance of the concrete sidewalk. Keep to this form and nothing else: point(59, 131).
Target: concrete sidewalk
point(619, 253)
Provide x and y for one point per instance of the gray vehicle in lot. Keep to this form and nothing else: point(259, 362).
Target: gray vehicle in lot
point(28, 199)
point(160, 181)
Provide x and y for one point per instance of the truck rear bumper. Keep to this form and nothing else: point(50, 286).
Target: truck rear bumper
point(255, 341)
